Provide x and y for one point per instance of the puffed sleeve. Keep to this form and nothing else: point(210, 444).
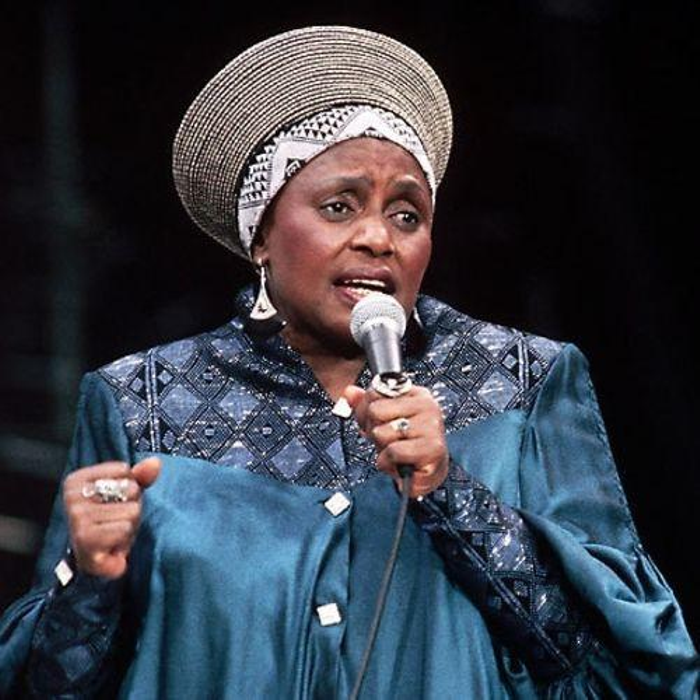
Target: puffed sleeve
point(572, 499)
point(552, 560)
point(54, 639)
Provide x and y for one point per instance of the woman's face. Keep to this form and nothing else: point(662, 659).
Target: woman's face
point(356, 218)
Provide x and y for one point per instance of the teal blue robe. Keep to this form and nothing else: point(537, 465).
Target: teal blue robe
point(231, 565)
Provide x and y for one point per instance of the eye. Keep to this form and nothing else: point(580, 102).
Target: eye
point(336, 210)
point(406, 219)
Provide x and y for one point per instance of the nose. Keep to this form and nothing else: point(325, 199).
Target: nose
point(372, 235)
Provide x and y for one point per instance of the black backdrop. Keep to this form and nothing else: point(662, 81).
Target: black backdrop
point(566, 211)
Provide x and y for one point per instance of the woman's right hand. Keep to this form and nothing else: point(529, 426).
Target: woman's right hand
point(101, 533)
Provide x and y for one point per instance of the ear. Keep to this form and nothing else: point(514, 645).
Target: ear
point(258, 257)
point(259, 250)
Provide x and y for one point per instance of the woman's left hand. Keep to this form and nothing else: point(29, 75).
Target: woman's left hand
point(408, 429)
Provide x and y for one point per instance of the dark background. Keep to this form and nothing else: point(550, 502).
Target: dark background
point(568, 210)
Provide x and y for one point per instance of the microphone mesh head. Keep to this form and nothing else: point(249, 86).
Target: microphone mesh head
point(373, 307)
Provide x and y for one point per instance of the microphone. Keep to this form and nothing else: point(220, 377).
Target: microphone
point(377, 324)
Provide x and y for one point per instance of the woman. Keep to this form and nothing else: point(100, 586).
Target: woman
point(250, 566)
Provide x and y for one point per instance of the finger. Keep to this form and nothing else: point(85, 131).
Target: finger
point(75, 492)
point(418, 489)
point(426, 475)
point(353, 395)
point(424, 481)
point(107, 564)
point(146, 471)
point(421, 484)
point(91, 539)
point(421, 453)
point(418, 400)
point(419, 426)
point(104, 470)
point(357, 399)
point(96, 513)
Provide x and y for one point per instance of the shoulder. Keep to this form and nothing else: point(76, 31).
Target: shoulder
point(498, 367)
point(168, 382)
point(442, 320)
point(162, 362)
point(176, 356)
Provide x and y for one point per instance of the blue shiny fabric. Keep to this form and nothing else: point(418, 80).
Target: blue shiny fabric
point(233, 557)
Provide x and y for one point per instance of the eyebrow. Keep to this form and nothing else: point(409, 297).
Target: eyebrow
point(403, 185)
point(347, 182)
point(410, 186)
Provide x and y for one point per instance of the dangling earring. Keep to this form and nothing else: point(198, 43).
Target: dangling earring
point(263, 309)
point(264, 319)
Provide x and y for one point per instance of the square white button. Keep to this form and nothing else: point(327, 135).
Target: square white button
point(63, 572)
point(338, 503)
point(328, 614)
point(342, 408)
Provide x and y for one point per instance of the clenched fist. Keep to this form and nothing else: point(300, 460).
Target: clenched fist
point(102, 533)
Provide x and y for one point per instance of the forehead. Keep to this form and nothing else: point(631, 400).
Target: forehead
point(376, 159)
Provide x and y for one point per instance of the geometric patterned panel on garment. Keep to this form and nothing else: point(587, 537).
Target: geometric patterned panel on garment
point(479, 368)
point(514, 582)
point(216, 397)
point(256, 405)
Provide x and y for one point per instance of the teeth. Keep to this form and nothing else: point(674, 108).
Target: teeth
point(372, 284)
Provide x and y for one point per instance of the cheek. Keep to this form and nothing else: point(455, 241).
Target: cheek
point(419, 258)
point(308, 253)
point(299, 252)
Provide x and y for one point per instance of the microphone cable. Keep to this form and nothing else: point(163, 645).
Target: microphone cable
point(406, 474)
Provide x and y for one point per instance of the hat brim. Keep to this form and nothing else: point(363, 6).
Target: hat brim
point(285, 79)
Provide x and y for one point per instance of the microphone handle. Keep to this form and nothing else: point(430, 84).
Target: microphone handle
point(404, 469)
point(383, 349)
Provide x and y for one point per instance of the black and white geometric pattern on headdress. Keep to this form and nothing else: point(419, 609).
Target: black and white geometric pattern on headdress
point(292, 147)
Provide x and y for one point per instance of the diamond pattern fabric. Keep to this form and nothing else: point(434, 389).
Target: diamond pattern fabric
point(491, 553)
point(222, 394)
point(254, 404)
point(505, 572)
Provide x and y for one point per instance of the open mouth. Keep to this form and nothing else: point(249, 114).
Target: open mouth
point(362, 287)
point(356, 283)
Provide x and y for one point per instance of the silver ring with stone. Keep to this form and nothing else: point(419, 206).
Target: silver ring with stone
point(107, 490)
point(401, 426)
